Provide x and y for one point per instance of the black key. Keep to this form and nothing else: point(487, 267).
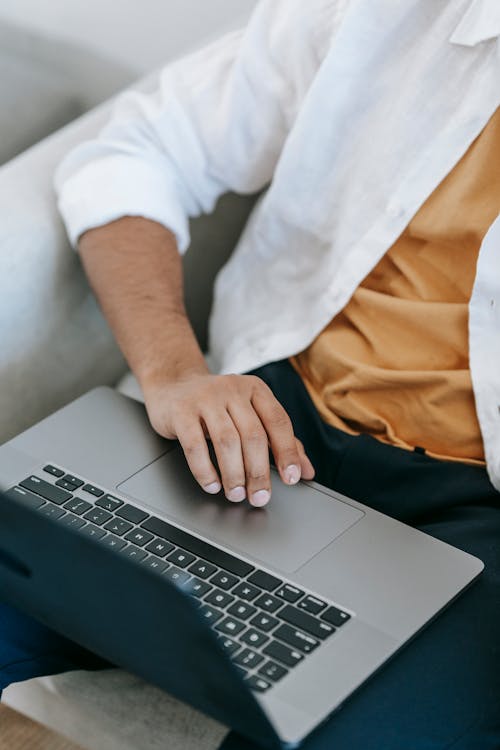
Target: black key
point(52, 511)
point(224, 580)
point(117, 526)
point(177, 576)
point(273, 671)
point(138, 536)
point(108, 502)
point(312, 605)
point(44, 489)
point(98, 516)
point(75, 505)
point(296, 638)
point(53, 470)
point(210, 614)
point(246, 591)
point(248, 658)
point(219, 598)
point(264, 580)
point(131, 513)
point(159, 547)
point(152, 563)
point(257, 684)
point(93, 531)
point(289, 593)
point(74, 522)
point(264, 622)
point(302, 620)
point(135, 553)
point(202, 569)
point(229, 646)
point(197, 587)
point(335, 616)
point(181, 558)
point(197, 546)
point(67, 485)
point(288, 656)
point(230, 626)
point(243, 672)
point(92, 490)
point(25, 497)
point(113, 542)
point(243, 610)
point(72, 480)
point(268, 602)
point(253, 638)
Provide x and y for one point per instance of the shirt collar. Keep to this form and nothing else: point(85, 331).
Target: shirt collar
point(480, 22)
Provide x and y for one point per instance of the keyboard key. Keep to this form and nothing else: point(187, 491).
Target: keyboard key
point(44, 489)
point(181, 558)
point(273, 671)
point(92, 490)
point(264, 580)
point(108, 502)
point(138, 536)
point(288, 656)
point(335, 616)
point(243, 672)
point(243, 610)
point(131, 513)
point(289, 593)
point(253, 638)
point(117, 526)
point(248, 658)
point(52, 511)
point(177, 576)
point(153, 563)
point(197, 546)
point(268, 602)
point(302, 620)
point(230, 626)
point(264, 622)
point(296, 638)
point(98, 516)
point(113, 542)
point(53, 470)
point(66, 485)
point(224, 580)
point(135, 553)
point(312, 605)
point(202, 569)
point(25, 497)
point(93, 531)
point(210, 614)
point(257, 684)
point(75, 505)
point(159, 547)
point(75, 481)
point(73, 522)
point(246, 591)
point(197, 587)
point(229, 645)
point(219, 598)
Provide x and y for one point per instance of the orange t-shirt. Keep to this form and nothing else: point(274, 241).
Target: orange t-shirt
point(394, 363)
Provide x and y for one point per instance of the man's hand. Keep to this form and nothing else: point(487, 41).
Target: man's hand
point(242, 418)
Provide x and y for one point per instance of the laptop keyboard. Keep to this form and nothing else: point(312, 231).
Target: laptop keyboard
point(266, 625)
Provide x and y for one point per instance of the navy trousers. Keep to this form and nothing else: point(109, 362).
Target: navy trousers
point(443, 689)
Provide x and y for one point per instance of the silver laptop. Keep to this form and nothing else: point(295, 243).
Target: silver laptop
point(308, 596)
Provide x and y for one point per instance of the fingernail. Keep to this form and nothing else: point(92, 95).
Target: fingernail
point(260, 498)
point(236, 495)
point(213, 488)
point(292, 474)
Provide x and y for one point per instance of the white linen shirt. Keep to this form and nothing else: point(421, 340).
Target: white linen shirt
point(352, 112)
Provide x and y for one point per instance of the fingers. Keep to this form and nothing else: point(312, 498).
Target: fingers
point(307, 469)
point(255, 451)
point(192, 439)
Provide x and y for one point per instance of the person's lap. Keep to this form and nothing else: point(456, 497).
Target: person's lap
point(443, 689)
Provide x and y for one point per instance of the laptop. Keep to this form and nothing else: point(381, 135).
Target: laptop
point(266, 619)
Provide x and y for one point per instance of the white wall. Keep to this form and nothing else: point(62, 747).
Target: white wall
point(141, 34)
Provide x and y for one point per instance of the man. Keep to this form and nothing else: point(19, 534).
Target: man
point(356, 324)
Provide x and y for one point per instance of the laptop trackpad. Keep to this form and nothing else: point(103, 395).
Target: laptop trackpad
point(298, 522)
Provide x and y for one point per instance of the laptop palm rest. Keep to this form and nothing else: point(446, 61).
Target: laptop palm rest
point(297, 524)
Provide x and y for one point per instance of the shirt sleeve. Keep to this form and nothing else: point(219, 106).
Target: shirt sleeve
point(216, 122)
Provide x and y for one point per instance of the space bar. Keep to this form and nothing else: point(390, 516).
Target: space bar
point(197, 546)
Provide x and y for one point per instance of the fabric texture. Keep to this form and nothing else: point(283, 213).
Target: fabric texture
point(353, 140)
point(394, 363)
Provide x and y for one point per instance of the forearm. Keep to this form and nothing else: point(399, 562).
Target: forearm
point(135, 270)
